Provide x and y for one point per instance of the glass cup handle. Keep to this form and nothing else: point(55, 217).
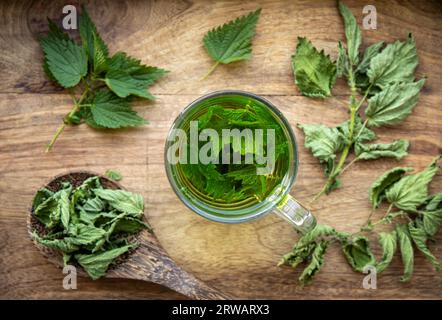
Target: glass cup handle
point(292, 211)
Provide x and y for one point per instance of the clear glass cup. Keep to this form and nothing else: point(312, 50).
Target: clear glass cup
point(278, 201)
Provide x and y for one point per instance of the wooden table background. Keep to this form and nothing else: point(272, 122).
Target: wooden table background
point(238, 259)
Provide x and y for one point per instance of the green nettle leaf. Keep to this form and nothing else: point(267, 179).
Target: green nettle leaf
point(407, 252)
point(315, 73)
point(122, 200)
point(388, 242)
point(352, 33)
point(393, 104)
point(94, 46)
point(57, 34)
point(342, 63)
point(323, 142)
point(412, 190)
point(114, 175)
point(395, 64)
point(96, 264)
point(397, 149)
point(123, 85)
point(101, 55)
point(66, 61)
point(232, 41)
point(369, 54)
point(316, 262)
point(127, 76)
point(358, 253)
point(385, 181)
point(419, 237)
point(110, 111)
point(90, 63)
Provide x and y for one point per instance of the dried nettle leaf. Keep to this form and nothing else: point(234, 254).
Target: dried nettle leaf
point(114, 175)
point(396, 149)
point(315, 73)
point(358, 253)
point(412, 190)
point(385, 79)
point(352, 33)
point(423, 212)
point(90, 225)
point(407, 252)
point(388, 242)
point(395, 64)
point(382, 183)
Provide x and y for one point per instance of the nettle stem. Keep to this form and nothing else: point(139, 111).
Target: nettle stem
point(212, 68)
point(387, 218)
point(57, 134)
point(77, 105)
point(362, 129)
point(349, 165)
point(353, 108)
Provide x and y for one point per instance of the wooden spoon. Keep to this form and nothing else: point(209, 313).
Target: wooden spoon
point(149, 262)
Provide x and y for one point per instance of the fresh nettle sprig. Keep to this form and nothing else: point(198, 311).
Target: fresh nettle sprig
point(384, 77)
point(103, 84)
point(416, 215)
point(232, 41)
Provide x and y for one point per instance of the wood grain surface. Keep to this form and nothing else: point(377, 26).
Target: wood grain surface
point(238, 259)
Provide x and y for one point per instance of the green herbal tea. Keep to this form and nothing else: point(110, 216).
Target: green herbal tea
point(236, 176)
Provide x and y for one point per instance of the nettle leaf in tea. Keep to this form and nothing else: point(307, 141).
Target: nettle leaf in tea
point(246, 153)
point(89, 224)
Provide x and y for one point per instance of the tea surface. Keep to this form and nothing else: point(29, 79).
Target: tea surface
point(233, 177)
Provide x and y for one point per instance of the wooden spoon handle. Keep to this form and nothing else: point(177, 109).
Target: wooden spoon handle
point(151, 263)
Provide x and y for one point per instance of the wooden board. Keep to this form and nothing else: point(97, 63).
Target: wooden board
point(238, 259)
